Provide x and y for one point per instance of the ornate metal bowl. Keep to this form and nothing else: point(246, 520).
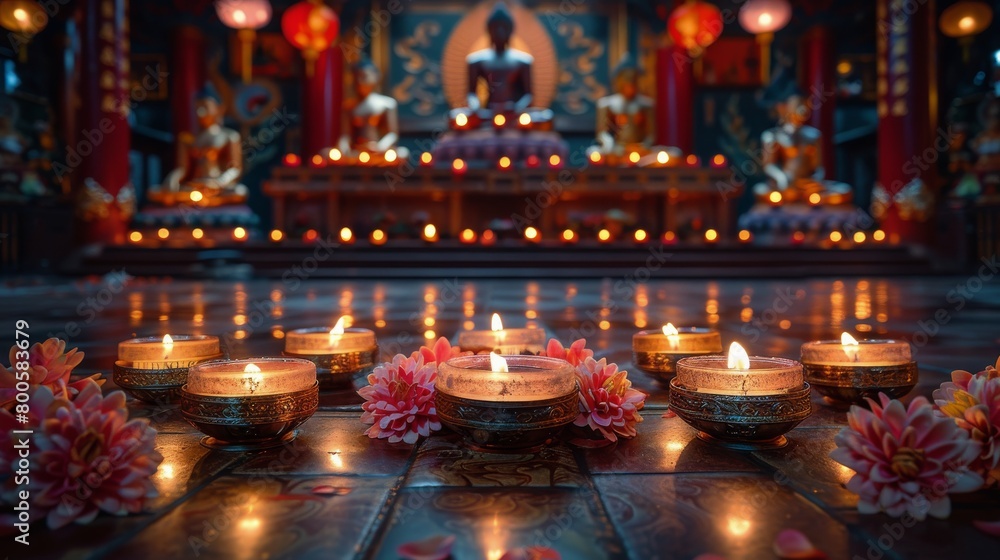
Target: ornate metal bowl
point(337, 371)
point(155, 386)
point(853, 384)
point(250, 422)
point(662, 365)
point(507, 426)
point(741, 421)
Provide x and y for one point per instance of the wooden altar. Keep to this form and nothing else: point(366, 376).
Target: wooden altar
point(542, 196)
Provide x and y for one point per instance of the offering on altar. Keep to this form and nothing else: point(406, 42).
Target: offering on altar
point(209, 163)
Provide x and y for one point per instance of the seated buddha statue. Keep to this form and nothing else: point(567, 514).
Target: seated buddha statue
point(209, 163)
point(791, 153)
point(625, 119)
point(371, 122)
point(499, 76)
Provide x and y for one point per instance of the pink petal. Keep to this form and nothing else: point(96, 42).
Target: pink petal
point(437, 547)
point(793, 544)
point(988, 527)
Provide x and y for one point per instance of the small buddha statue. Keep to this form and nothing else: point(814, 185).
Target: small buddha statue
point(986, 146)
point(625, 123)
point(371, 121)
point(209, 163)
point(499, 76)
point(792, 156)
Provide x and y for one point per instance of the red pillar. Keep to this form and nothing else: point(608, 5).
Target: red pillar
point(819, 83)
point(322, 100)
point(105, 137)
point(674, 98)
point(187, 75)
point(907, 91)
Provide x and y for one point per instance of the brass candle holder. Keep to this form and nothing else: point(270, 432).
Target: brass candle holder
point(522, 409)
point(153, 371)
point(849, 371)
point(247, 405)
point(657, 353)
point(749, 409)
point(355, 353)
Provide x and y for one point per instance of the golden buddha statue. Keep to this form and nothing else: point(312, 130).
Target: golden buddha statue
point(625, 132)
point(371, 122)
point(209, 164)
point(792, 156)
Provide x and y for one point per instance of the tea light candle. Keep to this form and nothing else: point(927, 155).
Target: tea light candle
point(850, 352)
point(322, 341)
point(170, 352)
point(497, 378)
point(739, 374)
point(671, 340)
point(503, 341)
point(251, 377)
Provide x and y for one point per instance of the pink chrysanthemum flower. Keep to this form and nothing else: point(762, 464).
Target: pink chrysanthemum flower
point(87, 456)
point(974, 402)
point(576, 354)
point(399, 400)
point(608, 403)
point(905, 459)
point(49, 365)
point(441, 351)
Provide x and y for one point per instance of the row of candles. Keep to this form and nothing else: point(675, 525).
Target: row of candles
point(458, 165)
point(514, 374)
point(429, 233)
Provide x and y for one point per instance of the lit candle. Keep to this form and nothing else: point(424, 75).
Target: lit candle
point(169, 352)
point(512, 378)
point(252, 377)
point(503, 341)
point(739, 374)
point(850, 352)
point(323, 341)
point(658, 351)
point(849, 370)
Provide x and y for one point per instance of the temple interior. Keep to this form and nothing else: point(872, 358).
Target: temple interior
point(500, 279)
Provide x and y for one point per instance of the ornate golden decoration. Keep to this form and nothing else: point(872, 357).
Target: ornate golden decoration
point(576, 74)
point(852, 384)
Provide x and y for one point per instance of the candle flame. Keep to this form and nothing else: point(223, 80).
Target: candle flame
point(496, 324)
point(497, 363)
point(167, 339)
point(738, 358)
point(850, 345)
point(252, 379)
point(670, 331)
point(337, 331)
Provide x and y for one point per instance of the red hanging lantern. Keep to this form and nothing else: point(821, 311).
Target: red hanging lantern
point(310, 27)
point(695, 25)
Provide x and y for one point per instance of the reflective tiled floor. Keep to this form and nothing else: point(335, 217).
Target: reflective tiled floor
point(662, 495)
